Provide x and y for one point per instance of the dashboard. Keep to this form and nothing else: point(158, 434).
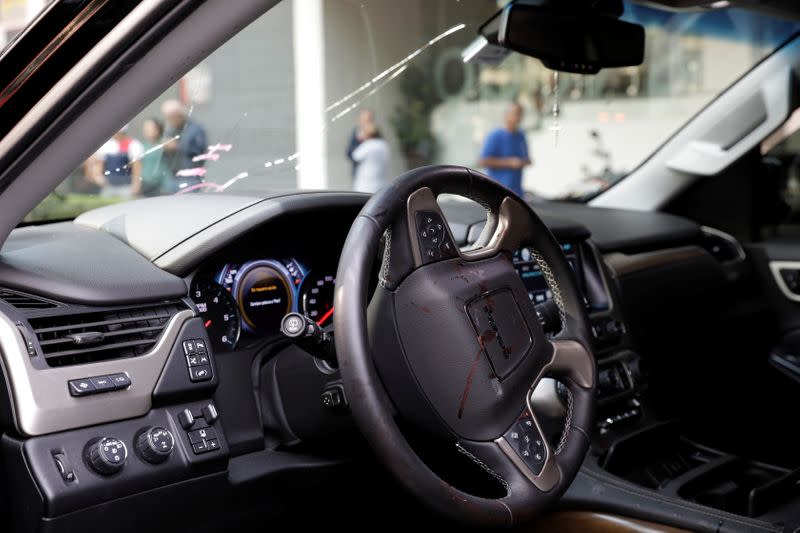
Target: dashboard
point(188, 295)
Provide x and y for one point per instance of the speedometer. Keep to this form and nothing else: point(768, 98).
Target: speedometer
point(318, 298)
point(218, 310)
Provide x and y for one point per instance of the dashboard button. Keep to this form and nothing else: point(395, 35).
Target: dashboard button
point(200, 373)
point(155, 445)
point(199, 447)
point(102, 383)
point(81, 387)
point(200, 435)
point(210, 414)
point(107, 456)
point(120, 381)
point(186, 419)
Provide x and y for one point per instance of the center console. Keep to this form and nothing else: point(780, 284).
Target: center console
point(642, 463)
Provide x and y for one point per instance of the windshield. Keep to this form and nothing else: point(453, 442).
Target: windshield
point(347, 95)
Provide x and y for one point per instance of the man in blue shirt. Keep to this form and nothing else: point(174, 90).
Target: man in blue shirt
point(505, 151)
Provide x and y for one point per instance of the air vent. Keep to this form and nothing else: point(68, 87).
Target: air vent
point(24, 301)
point(99, 336)
point(723, 247)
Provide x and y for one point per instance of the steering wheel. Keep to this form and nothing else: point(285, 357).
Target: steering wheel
point(450, 341)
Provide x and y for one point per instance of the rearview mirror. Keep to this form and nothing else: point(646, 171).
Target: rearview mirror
point(570, 40)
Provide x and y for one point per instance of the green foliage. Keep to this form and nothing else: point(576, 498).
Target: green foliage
point(411, 119)
point(67, 206)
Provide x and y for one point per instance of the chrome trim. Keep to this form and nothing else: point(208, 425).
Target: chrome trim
point(546, 400)
point(41, 400)
point(775, 267)
point(422, 200)
point(513, 227)
point(567, 355)
point(550, 475)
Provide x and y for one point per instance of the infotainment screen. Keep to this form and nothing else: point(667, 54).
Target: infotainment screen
point(531, 274)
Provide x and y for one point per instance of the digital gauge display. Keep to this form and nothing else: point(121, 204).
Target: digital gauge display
point(264, 294)
point(265, 290)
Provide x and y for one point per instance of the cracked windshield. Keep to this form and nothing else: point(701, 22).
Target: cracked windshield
point(348, 94)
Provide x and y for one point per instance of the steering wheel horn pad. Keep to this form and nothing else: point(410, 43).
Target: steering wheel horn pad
point(450, 341)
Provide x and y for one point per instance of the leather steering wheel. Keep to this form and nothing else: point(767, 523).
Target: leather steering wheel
point(450, 341)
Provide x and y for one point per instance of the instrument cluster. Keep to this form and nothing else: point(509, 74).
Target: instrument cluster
point(250, 298)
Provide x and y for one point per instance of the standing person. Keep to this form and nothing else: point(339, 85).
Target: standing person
point(366, 119)
point(156, 177)
point(505, 151)
point(192, 140)
point(372, 160)
point(117, 166)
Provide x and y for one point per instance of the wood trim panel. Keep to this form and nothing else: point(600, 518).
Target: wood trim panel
point(590, 522)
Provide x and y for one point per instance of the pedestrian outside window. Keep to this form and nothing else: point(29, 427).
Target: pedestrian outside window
point(373, 97)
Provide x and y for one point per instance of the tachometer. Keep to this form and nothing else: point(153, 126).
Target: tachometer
point(318, 298)
point(219, 314)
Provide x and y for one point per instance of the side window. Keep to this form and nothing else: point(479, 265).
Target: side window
point(780, 186)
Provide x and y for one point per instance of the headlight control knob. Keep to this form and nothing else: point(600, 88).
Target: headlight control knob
point(155, 444)
point(107, 456)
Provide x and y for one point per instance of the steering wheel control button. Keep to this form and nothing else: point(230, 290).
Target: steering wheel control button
point(200, 345)
point(526, 441)
point(199, 447)
point(190, 347)
point(434, 241)
point(447, 248)
point(107, 456)
point(81, 387)
point(155, 445)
